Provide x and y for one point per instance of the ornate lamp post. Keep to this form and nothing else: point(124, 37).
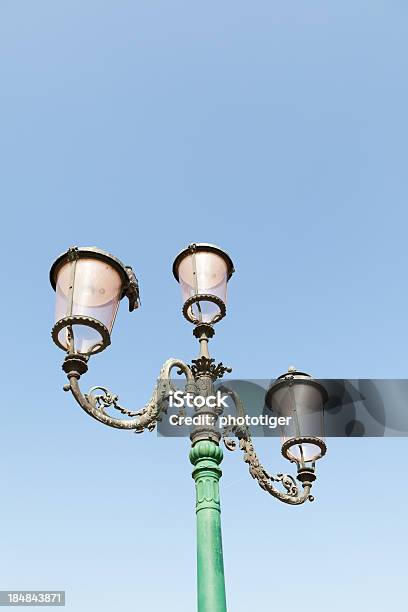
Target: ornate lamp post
point(89, 285)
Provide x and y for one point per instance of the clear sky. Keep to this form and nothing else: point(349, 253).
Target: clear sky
point(277, 130)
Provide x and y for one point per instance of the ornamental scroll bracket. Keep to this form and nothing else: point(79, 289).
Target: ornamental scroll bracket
point(99, 399)
point(292, 494)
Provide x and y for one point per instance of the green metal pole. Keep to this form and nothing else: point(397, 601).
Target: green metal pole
point(206, 457)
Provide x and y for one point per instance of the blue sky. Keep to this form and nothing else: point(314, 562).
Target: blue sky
point(278, 131)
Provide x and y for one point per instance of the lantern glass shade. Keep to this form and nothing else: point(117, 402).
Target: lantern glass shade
point(203, 272)
point(302, 400)
point(87, 287)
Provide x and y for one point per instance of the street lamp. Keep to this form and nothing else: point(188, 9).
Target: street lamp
point(89, 285)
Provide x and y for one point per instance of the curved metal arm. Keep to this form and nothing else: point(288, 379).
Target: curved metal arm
point(265, 480)
point(292, 496)
point(146, 418)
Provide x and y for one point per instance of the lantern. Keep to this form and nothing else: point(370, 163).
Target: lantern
point(203, 271)
point(89, 284)
point(299, 398)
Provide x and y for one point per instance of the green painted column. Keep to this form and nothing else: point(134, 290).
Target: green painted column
point(206, 457)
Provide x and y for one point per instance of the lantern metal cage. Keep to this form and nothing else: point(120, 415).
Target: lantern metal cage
point(203, 271)
point(89, 284)
point(301, 398)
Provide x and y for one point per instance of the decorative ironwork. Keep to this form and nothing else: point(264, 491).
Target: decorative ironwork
point(81, 320)
point(203, 330)
point(205, 366)
point(132, 291)
point(72, 253)
point(95, 404)
point(75, 365)
point(204, 297)
point(287, 445)
point(106, 399)
point(265, 480)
